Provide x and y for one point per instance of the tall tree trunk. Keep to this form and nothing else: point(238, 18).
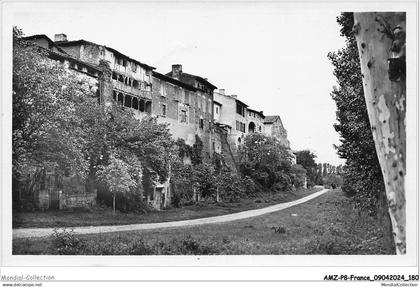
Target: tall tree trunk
point(381, 43)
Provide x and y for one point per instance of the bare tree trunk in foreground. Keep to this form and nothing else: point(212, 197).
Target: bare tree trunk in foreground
point(381, 43)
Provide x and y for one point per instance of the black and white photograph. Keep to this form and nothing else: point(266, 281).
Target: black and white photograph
point(147, 130)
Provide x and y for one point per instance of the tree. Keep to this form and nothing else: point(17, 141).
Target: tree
point(381, 43)
point(266, 161)
point(47, 132)
point(307, 159)
point(59, 125)
point(298, 175)
point(117, 177)
point(362, 176)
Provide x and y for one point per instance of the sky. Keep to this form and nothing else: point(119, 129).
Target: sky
point(272, 55)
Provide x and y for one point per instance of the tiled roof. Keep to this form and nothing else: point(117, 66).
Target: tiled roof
point(173, 81)
point(187, 78)
point(81, 41)
point(271, 119)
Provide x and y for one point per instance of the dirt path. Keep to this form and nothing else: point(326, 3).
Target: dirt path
point(42, 232)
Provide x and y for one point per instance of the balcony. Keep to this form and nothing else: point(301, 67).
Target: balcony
point(131, 90)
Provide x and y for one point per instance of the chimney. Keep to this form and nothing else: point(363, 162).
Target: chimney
point(234, 96)
point(60, 38)
point(222, 91)
point(176, 71)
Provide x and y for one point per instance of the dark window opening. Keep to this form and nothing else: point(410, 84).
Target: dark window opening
point(251, 127)
point(135, 84)
point(163, 110)
point(127, 101)
point(240, 109)
point(114, 76)
point(120, 98)
point(201, 124)
point(120, 78)
point(141, 106)
point(148, 107)
point(183, 116)
point(114, 95)
point(135, 103)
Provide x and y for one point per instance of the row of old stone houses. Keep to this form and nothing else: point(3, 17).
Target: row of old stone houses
point(190, 104)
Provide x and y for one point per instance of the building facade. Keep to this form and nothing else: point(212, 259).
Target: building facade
point(273, 127)
point(131, 80)
point(187, 102)
point(194, 99)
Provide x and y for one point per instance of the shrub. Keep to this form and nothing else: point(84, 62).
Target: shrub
point(65, 242)
point(333, 180)
point(298, 175)
point(266, 161)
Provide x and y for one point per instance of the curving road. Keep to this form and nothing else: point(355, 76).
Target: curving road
point(42, 232)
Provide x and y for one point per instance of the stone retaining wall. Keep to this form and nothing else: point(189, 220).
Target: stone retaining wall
point(77, 200)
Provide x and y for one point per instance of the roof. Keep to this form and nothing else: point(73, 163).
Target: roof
point(257, 112)
point(45, 37)
point(62, 54)
point(186, 78)
point(81, 42)
point(271, 119)
point(173, 81)
point(241, 102)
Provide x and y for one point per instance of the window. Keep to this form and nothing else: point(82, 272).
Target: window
point(162, 90)
point(240, 109)
point(217, 110)
point(127, 101)
point(201, 123)
point(183, 115)
point(120, 98)
point(141, 106)
point(163, 110)
point(148, 107)
point(240, 126)
point(135, 104)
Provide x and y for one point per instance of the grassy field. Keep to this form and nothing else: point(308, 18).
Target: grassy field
point(325, 225)
point(103, 216)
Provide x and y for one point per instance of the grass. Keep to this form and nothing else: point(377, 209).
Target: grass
point(325, 225)
point(103, 216)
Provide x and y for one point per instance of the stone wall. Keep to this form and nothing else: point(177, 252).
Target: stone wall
point(199, 110)
point(75, 200)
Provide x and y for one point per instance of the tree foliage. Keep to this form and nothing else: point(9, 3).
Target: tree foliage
point(266, 161)
point(58, 125)
point(306, 159)
point(47, 104)
point(361, 174)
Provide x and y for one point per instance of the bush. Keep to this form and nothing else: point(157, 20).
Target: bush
point(66, 242)
point(266, 161)
point(333, 180)
point(298, 175)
